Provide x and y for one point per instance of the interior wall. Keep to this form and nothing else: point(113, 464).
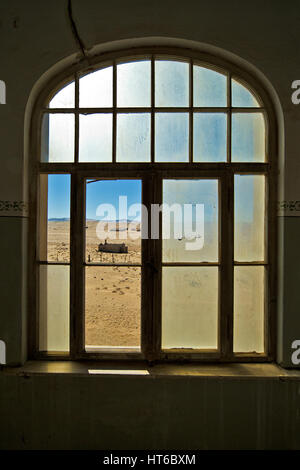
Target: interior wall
point(36, 41)
point(63, 411)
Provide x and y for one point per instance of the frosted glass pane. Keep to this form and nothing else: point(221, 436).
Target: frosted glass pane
point(242, 97)
point(95, 89)
point(248, 137)
point(57, 143)
point(54, 316)
point(133, 137)
point(171, 83)
point(210, 136)
point(209, 88)
point(134, 84)
point(65, 98)
point(249, 217)
point(113, 221)
point(171, 137)
point(95, 138)
point(54, 213)
point(248, 334)
point(190, 220)
point(112, 307)
point(190, 307)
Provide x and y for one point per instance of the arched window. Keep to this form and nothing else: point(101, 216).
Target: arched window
point(155, 232)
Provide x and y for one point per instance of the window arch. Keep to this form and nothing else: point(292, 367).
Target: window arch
point(190, 140)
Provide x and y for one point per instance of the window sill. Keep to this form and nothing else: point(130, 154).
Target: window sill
point(241, 371)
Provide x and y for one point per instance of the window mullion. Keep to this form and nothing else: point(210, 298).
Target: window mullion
point(226, 270)
point(147, 278)
point(77, 268)
point(152, 109)
point(156, 269)
point(191, 115)
point(76, 133)
point(114, 131)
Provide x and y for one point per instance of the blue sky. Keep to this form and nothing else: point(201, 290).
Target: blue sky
point(108, 192)
point(101, 192)
point(59, 196)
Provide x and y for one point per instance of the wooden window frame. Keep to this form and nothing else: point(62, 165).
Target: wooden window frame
point(152, 174)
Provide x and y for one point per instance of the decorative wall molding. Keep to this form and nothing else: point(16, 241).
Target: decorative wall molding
point(14, 208)
point(289, 208)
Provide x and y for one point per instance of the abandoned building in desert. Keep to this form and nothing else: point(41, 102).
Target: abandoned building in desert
point(113, 247)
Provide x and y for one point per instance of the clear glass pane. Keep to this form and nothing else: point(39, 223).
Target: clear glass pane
point(249, 217)
point(210, 89)
point(95, 137)
point(95, 89)
point(112, 307)
point(249, 292)
point(57, 143)
point(54, 314)
point(242, 97)
point(113, 221)
point(134, 84)
point(210, 137)
point(171, 83)
point(54, 216)
point(171, 137)
point(133, 137)
point(64, 98)
point(248, 137)
point(190, 220)
point(190, 307)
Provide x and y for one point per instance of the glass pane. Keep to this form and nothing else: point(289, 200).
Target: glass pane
point(248, 137)
point(95, 89)
point(113, 221)
point(64, 98)
point(249, 217)
point(209, 88)
point(171, 83)
point(242, 97)
point(133, 137)
point(190, 220)
point(171, 137)
point(134, 84)
point(210, 136)
point(54, 315)
point(112, 307)
point(190, 307)
point(54, 215)
point(58, 138)
point(248, 335)
point(95, 138)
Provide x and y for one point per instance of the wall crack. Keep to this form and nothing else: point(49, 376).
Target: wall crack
point(75, 32)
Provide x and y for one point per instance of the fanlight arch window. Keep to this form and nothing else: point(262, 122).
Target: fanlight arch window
point(132, 151)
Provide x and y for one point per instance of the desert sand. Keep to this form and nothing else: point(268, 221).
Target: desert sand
point(113, 294)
